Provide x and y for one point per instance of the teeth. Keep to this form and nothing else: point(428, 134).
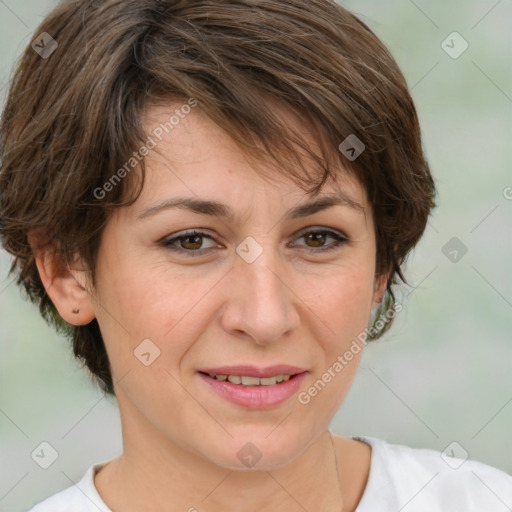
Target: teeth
point(250, 381)
point(245, 380)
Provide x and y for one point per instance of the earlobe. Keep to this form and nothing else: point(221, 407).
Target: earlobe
point(70, 297)
point(379, 289)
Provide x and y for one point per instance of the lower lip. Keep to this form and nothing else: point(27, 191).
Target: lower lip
point(255, 397)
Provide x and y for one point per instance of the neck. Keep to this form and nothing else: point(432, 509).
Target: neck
point(156, 474)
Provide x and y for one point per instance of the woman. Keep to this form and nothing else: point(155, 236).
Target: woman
point(214, 200)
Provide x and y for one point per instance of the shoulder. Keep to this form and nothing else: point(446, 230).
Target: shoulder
point(81, 497)
point(424, 479)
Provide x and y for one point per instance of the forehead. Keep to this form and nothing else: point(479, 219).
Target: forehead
point(187, 139)
point(196, 164)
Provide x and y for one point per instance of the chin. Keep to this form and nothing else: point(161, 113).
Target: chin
point(259, 451)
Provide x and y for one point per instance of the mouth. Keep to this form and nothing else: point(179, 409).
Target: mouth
point(247, 380)
point(254, 388)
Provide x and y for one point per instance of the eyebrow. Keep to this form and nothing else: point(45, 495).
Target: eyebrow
point(217, 209)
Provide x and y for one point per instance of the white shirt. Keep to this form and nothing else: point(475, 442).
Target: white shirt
point(401, 479)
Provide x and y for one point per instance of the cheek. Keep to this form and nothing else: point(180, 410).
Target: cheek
point(167, 307)
point(345, 309)
point(344, 303)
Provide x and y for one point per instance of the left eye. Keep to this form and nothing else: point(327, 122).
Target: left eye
point(191, 242)
point(319, 237)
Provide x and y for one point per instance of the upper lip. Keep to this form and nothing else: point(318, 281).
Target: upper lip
point(254, 371)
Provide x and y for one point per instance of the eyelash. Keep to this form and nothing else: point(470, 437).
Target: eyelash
point(169, 243)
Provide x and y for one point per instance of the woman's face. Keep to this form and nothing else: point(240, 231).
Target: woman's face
point(256, 294)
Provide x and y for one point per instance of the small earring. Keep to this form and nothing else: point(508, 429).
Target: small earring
point(75, 311)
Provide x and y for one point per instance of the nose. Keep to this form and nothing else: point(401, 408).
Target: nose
point(260, 304)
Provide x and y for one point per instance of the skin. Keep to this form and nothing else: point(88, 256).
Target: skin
point(288, 306)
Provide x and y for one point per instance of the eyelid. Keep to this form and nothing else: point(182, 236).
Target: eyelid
point(340, 238)
point(320, 229)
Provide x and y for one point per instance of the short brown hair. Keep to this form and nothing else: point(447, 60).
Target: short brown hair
point(72, 118)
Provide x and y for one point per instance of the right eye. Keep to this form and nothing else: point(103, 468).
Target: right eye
point(188, 242)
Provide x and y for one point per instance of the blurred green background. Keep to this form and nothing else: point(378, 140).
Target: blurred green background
point(443, 373)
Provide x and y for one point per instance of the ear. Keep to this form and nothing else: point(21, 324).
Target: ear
point(379, 288)
point(66, 287)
